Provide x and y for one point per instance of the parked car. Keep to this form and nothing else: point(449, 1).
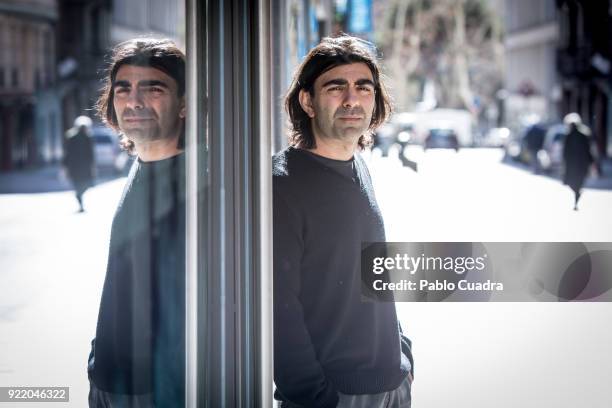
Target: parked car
point(384, 138)
point(107, 152)
point(405, 132)
point(444, 138)
point(512, 147)
point(550, 157)
point(399, 130)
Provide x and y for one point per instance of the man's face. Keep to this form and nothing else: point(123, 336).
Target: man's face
point(343, 102)
point(147, 104)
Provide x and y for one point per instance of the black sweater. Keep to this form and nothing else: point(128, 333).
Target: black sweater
point(139, 346)
point(326, 338)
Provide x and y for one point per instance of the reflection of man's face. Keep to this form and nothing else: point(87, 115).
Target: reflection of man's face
point(343, 102)
point(147, 104)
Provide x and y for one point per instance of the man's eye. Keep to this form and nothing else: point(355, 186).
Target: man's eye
point(364, 89)
point(120, 91)
point(336, 88)
point(152, 90)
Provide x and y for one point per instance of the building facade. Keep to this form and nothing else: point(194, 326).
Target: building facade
point(530, 77)
point(583, 61)
point(29, 113)
point(298, 26)
point(137, 18)
point(558, 60)
point(82, 43)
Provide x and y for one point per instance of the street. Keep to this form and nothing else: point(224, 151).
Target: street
point(484, 355)
point(472, 196)
point(52, 264)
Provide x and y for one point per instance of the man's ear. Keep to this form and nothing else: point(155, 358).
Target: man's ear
point(182, 108)
point(306, 103)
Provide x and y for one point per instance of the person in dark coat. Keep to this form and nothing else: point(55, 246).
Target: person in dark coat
point(576, 154)
point(79, 157)
point(535, 140)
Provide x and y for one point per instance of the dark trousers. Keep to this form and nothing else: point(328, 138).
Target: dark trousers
point(398, 398)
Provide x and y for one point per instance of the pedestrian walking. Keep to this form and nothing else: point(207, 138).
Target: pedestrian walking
point(78, 158)
point(535, 140)
point(576, 154)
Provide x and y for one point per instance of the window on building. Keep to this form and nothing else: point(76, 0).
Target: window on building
point(15, 78)
point(95, 30)
point(49, 59)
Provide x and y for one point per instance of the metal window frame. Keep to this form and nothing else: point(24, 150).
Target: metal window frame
point(229, 235)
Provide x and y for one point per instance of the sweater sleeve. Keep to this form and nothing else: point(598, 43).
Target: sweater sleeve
point(298, 375)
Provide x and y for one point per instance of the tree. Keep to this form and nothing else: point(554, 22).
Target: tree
point(455, 44)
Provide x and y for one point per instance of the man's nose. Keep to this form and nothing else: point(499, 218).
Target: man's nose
point(135, 100)
point(350, 98)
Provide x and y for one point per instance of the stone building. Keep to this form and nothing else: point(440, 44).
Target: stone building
point(583, 61)
point(30, 116)
point(530, 77)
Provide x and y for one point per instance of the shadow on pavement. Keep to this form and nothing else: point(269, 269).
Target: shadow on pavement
point(46, 180)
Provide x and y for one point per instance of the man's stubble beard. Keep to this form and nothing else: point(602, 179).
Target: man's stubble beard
point(143, 135)
point(350, 134)
point(154, 133)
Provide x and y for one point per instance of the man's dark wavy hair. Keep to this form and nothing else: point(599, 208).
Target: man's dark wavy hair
point(330, 53)
point(162, 54)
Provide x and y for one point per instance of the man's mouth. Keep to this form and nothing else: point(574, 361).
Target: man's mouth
point(133, 119)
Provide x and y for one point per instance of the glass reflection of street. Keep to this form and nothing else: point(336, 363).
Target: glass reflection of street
point(52, 265)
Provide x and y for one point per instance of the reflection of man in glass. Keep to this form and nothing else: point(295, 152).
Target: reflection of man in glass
point(137, 357)
point(331, 347)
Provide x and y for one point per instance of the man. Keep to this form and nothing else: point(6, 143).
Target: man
point(331, 348)
point(535, 140)
point(576, 154)
point(137, 357)
point(79, 157)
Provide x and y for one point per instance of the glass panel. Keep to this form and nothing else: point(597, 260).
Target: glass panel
point(93, 236)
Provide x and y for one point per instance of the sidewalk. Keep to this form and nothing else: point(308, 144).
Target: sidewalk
point(602, 182)
point(42, 180)
point(50, 179)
